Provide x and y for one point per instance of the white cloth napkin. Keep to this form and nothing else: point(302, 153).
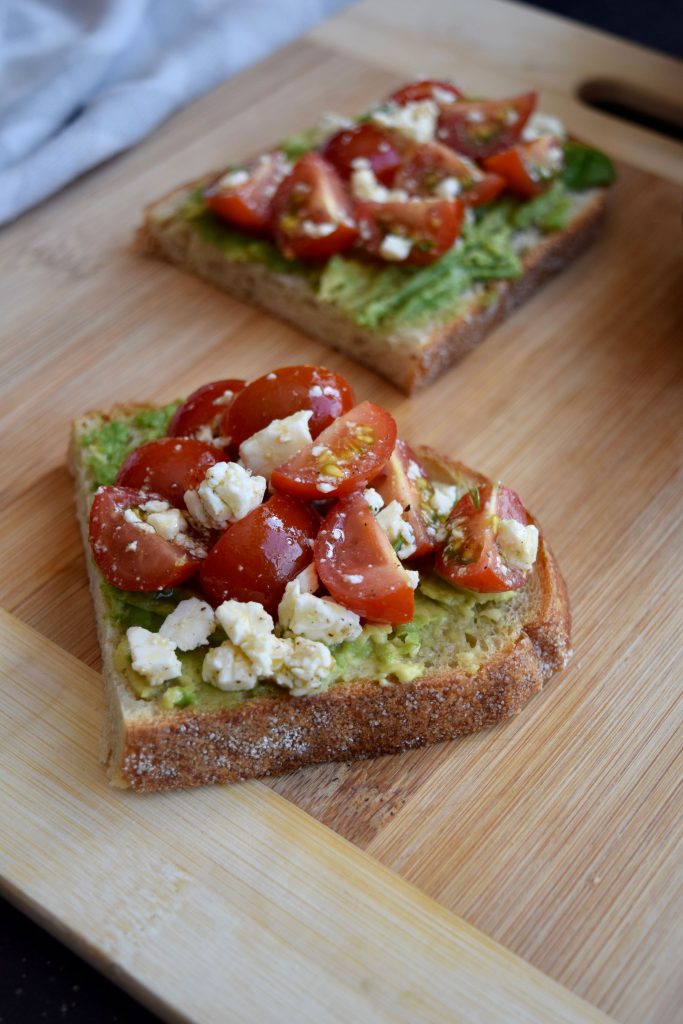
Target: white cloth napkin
point(83, 80)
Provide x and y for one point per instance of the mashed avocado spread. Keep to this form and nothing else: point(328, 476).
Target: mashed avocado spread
point(387, 297)
point(450, 626)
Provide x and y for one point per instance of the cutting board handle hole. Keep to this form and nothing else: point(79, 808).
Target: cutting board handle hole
point(630, 103)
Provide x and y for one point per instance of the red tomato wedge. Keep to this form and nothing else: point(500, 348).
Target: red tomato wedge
point(431, 226)
point(356, 562)
point(433, 167)
point(481, 128)
point(368, 142)
point(529, 167)
point(257, 556)
point(286, 391)
point(202, 411)
point(313, 215)
point(168, 467)
point(129, 556)
point(347, 455)
point(470, 556)
point(405, 480)
point(442, 93)
point(244, 196)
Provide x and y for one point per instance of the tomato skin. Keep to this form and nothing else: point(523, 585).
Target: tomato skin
point(257, 556)
point(168, 467)
point(368, 142)
point(203, 409)
point(152, 563)
point(426, 89)
point(405, 480)
point(431, 224)
point(283, 392)
point(478, 129)
point(249, 204)
point(433, 162)
point(470, 531)
point(357, 446)
point(529, 167)
point(350, 543)
point(313, 194)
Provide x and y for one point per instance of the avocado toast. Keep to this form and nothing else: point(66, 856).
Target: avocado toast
point(459, 661)
point(403, 266)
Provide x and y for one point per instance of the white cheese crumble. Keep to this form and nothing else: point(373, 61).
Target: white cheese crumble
point(416, 120)
point(413, 577)
point(395, 247)
point(170, 523)
point(249, 627)
point(227, 493)
point(448, 188)
point(374, 499)
point(444, 498)
point(228, 668)
point(305, 666)
point(276, 443)
point(316, 618)
point(399, 532)
point(233, 179)
point(518, 543)
point(313, 229)
point(543, 124)
point(368, 189)
point(153, 655)
point(189, 625)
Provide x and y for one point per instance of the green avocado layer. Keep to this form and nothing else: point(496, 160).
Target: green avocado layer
point(451, 627)
point(385, 298)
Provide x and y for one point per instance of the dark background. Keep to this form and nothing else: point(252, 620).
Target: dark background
point(41, 980)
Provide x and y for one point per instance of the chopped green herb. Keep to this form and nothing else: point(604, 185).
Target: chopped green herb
point(585, 167)
point(474, 495)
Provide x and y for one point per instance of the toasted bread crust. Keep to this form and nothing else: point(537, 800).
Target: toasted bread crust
point(151, 750)
point(409, 360)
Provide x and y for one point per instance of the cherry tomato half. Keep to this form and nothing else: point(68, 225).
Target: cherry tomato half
point(244, 196)
point(356, 562)
point(529, 167)
point(257, 556)
point(470, 556)
point(433, 164)
point(201, 413)
point(129, 556)
point(169, 467)
point(430, 225)
point(405, 480)
point(348, 454)
point(286, 391)
point(442, 93)
point(480, 128)
point(313, 214)
point(368, 142)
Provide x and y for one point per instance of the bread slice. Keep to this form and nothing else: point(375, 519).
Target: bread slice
point(519, 647)
point(409, 356)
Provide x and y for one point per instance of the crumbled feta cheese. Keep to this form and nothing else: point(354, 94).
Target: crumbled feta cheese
point(368, 189)
point(413, 577)
point(314, 230)
point(325, 486)
point(133, 546)
point(414, 472)
point(170, 523)
point(417, 120)
point(233, 179)
point(316, 392)
point(249, 627)
point(395, 247)
point(316, 618)
point(518, 543)
point(189, 625)
point(227, 493)
point(374, 499)
point(228, 668)
point(276, 443)
point(352, 577)
point(308, 579)
point(153, 655)
point(399, 532)
point(444, 498)
point(305, 666)
point(543, 124)
point(224, 399)
point(133, 517)
point(448, 188)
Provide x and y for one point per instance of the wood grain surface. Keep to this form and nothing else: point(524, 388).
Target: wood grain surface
point(557, 834)
point(226, 903)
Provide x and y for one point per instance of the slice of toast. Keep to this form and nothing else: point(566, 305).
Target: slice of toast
point(472, 677)
point(411, 355)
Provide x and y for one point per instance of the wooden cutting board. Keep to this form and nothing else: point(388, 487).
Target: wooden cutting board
point(555, 834)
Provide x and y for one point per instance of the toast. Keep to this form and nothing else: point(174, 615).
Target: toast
point(480, 660)
point(409, 355)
